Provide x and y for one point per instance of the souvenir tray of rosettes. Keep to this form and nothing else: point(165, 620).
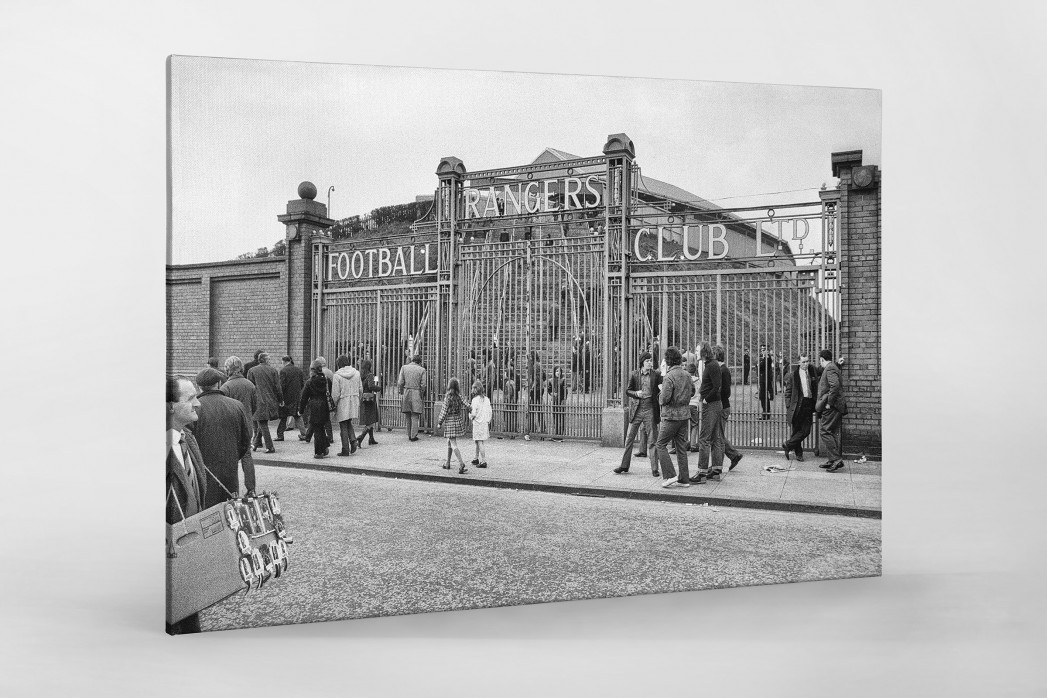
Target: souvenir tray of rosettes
point(238, 545)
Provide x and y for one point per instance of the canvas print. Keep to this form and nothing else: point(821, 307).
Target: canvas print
point(442, 340)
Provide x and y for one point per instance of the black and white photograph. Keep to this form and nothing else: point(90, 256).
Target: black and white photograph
point(564, 349)
point(496, 336)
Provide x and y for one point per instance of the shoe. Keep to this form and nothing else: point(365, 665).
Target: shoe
point(278, 438)
point(414, 439)
point(619, 470)
point(655, 473)
point(319, 455)
point(372, 442)
point(446, 467)
point(639, 455)
point(270, 450)
point(344, 453)
point(826, 465)
point(683, 484)
point(715, 475)
point(327, 451)
point(669, 482)
point(475, 461)
point(353, 445)
point(734, 462)
point(799, 457)
point(481, 465)
point(462, 470)
point(698, 479)
point(834, 467)
point(253, 449)
point(785, 448)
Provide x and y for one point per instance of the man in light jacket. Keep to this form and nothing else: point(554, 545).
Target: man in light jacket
point(411, 384)
point(674, 399)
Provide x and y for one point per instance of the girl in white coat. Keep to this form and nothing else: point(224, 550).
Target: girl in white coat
point(480, 413)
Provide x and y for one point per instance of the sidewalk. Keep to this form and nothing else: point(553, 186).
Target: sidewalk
point(584, 468)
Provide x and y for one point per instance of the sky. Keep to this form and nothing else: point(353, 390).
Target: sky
point(244, 133)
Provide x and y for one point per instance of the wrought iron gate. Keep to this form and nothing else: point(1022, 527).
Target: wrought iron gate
point(528, 293)
point(764, 310)
point(386, 325)
point(531, 311)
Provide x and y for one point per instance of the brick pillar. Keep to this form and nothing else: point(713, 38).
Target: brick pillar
point(305, 219)
point(860, 244)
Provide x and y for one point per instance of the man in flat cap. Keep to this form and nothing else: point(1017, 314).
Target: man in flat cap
point(223, 432)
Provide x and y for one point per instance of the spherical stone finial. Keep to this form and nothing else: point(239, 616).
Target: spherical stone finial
point(307, 190)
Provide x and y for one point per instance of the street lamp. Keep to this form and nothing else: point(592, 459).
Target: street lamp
point(329, 190)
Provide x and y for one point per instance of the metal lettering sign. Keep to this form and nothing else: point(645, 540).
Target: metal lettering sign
point(382, 262)
point(545, 196)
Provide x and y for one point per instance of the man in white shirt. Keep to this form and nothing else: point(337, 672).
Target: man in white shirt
point(800, 387)
point(186, 485)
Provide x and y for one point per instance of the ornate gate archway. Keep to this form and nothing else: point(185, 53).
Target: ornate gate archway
point(528, 308)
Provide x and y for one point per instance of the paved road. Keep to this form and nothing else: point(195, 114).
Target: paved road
point(368, 546)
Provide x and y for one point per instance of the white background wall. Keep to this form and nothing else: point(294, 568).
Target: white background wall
point(959, 610)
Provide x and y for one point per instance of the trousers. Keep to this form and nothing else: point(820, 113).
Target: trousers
point(642, 420)
point(674, 430)
point(829, 429)
point(710, 442)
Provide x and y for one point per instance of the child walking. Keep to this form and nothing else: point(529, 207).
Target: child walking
point(481, 413)
point(453, 411)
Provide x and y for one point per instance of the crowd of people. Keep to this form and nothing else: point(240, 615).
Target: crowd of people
point(684, 407)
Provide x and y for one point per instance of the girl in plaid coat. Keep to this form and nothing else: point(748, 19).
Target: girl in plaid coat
point(453, 413)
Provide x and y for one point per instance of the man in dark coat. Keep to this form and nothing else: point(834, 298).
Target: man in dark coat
point(765, 377)
point(292, 380)
point(799, 396)
point(830, 408)
point(186, 486)
point(238, 387)
point(251, 364)
point(535, 381)
point(644, 384)
point(710, 448)
point(269, 399)
point(223, 433)
point(746, 363)
point(720, 354)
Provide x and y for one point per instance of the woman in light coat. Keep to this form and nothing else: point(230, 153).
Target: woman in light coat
point(345, 391)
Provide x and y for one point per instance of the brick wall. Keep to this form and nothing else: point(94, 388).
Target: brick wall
point(187, 334)
point(224, 309)
point(860, 240)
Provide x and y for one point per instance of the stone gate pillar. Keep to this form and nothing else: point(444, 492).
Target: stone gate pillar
point(620, 154)
point(305, 221)
point(860, 301)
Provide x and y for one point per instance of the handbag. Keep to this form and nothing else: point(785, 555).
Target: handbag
point(332, 406)
point(367, 397)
